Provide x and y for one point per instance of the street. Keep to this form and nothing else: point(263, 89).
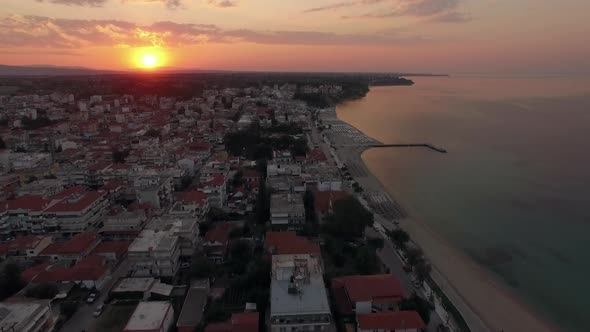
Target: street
point(83, 320)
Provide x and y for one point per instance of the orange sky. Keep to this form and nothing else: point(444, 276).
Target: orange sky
point(450, 36)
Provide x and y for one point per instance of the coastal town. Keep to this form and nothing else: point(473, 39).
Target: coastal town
point(233, 209)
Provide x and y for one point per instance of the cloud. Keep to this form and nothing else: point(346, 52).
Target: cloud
point(436, 10)
point(223, 3)
point(343, 4)
point(172, 4)
point(451, 17)
point(37, 31)
point(93, 3)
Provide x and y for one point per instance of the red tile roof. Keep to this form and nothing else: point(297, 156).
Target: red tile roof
point(197, 197)
point(79, 205)
point(317, 154)
point(112, 185)
point(69, 192)
point(217, 180)
point(89, 268)
point(21, 243)
point(380, 288)
point(219, 327)
point(245, 321)
point(28, 202)
point(219, 233)
point(288, 243)
point(119, 248)
point(78, 244)
point(390, 321)
point(323, 199)
point(29, 274)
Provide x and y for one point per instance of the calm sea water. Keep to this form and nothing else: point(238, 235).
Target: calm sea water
point(513, 191)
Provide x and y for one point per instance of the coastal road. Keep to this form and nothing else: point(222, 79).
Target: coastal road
point(83, 320)
point(392, 261)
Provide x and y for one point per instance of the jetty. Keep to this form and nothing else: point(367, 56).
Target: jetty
point(402, 145)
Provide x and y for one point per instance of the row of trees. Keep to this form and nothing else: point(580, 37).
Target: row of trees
point(414, 256)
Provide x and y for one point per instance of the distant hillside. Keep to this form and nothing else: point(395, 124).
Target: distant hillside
point(42, 70)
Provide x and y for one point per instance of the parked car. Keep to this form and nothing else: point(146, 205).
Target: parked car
point(98, 310)
point(185, 265)
point(91, 298)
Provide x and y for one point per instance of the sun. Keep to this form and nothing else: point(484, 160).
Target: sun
point(149, 60)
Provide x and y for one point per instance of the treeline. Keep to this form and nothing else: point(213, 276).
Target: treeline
point(256, 144)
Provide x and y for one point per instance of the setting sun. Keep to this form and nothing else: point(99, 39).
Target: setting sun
point(149, 60)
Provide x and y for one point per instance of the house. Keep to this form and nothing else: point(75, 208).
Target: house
point(25, 246)
point(90, 272)
point(192, 310)
point(298, 298)
point(251, 176)
point(183, 227)
point(289, 243)
point(124, 226)
point(27, 315)
point(191, 202)
point(154, 189)
point(323, 202)
point(287, 211)
point(151, 317)
point(76, 212)
point(71, 250)
point(216, 242)
point(397, 321)
point(23, 215)
point(216, 189)
point(113, 251)
point(362, 294)
point(155, 254)
point(239, 322)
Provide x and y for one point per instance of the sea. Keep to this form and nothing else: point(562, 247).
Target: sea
point(513, 191)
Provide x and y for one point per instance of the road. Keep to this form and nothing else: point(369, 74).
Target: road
point(83, 320)
point(393, 262)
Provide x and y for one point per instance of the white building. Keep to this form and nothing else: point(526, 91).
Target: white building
point(287, 211)
point(151, 317)
point(154, 189)
point(27, 316)
point(154, 253)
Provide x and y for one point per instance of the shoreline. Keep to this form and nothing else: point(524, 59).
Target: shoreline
point(483, 300)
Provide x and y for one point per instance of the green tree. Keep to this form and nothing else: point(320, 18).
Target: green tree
point(366, 261)
point(414, 255)
point(10, 280)
point(422, 270)
point(68, 308)
point(42, 291)
point(201, 267)
point(399, 238)
point(349, 220)
point(2, 144)
point(119, 156)
point(418, 304)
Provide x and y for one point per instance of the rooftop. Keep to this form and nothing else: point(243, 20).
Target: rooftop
point(286, 243)
point(78, 244)
point(134, 285)
point(380, 287)
point(193, 307)
point(390, 320)
point(148, 316)
point(149, 240)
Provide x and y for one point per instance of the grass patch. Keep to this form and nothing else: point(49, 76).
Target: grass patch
point(115, 317)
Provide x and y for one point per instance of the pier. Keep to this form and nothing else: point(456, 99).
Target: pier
point(407, 145)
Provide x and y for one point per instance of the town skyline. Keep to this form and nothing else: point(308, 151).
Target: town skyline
point(426, 36)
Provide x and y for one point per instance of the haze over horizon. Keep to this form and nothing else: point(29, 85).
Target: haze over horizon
point(428, 36)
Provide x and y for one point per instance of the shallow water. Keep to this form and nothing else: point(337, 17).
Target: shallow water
point(514, 190)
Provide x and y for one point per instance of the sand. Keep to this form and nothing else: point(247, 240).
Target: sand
point(485, 303)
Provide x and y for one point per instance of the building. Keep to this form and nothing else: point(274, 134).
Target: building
point(287, 211)
point(23, 215)
point(151, 317)
point(125, 225)
point(26, 315)
point(25, 246)
point(216, 189)
point(192, 310)
point(155, 254)
point(76, 212)
point(194, 203)
point(363, 294)
point(71, 250)
point(289, 243)
point(44, 188)
point(398, 321)
point(90, 272)
point(113, 251)
point(298, 299)
point(216, 242)
point(154, 189)
point(185, 228)
point(323, 202)
point(239, 322)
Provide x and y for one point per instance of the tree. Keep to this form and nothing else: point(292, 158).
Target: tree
point(10, 280)
point(366, 261)
point(2, 144)
point(376, 242)
point(153, 133)
point(119, 156)
point(418, 304)
point(238, 179)
point(399, 238)
point(240, 256)
point(414, 255)
point(201, 267)
point(68, 308)
point(422, 269)
point(42, 291)
point(349, 220)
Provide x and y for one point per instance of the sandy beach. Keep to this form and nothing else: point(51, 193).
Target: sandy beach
point(485, 303)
